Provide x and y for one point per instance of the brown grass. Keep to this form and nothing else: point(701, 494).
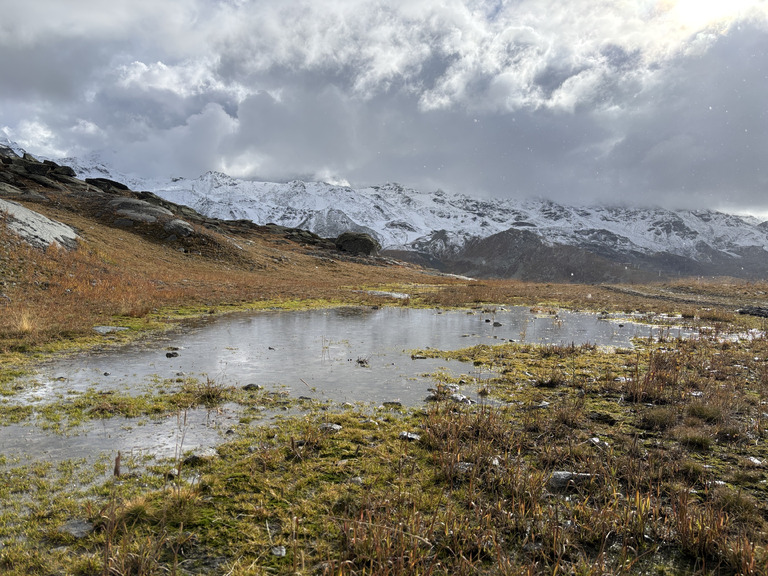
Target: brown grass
point(55, 293)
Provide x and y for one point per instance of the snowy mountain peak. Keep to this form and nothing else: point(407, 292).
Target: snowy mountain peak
point(440, 224)
point(11, 146)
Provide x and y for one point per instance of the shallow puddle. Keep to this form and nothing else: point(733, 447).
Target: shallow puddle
point(343, 355)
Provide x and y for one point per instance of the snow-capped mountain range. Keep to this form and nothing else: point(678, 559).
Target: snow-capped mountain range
point(449, 228)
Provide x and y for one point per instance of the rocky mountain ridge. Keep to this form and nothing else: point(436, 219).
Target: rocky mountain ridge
point(483, 237)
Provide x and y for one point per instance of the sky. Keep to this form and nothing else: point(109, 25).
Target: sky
point(646, 102)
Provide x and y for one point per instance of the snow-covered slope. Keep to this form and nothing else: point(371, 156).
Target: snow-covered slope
point(440, 223)
point(12, 146)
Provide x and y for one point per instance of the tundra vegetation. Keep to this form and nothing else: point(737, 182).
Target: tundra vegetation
point(579, 460)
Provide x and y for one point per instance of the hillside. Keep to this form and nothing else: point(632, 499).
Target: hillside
point(75, 253)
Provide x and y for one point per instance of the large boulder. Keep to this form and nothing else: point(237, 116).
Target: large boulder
point(358, 243)
point(36, 229)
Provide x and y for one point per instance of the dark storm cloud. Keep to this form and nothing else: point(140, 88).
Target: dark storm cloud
point(637, 102)
point(701, 136)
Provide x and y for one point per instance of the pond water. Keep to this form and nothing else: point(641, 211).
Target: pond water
point(342, 354)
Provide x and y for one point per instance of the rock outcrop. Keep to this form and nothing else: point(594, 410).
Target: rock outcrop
point(36, 229)
point(358, 244)
point(25, 181)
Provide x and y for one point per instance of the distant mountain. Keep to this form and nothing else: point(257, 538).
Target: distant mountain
point(7, 145)
point(485, 237)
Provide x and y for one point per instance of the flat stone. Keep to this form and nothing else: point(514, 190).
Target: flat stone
point(76, 528)
point(561, 479)
point(179, 228)
point(36, 229)
point(328, 427)
point(109, 329)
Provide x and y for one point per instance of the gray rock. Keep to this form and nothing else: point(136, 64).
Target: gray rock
point(179, 228)
point(77, 528)
point(138, 216)
point(64, 171)
point(358, 244)
point(199, 457)
point(36, 229)
point(563, 480)
point(106, 184)
point(409, 436)
point(109, 329)
point(460, 399)
point(9, 190)
point(328, 427)
point(138, 210)
point(278, 551)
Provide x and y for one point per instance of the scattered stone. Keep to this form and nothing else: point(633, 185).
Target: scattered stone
point(496, 324)
point(563, 480)
point(171, 354)
point(599, 443)
point(464, 467)
point(328, 427)
point(200, 457)
point(409, 436)
point(109, 329)
point(357, 481)
point(77, 528)
point(755, 461)
point(278, 551)
point(460, 399)
point(252, 387)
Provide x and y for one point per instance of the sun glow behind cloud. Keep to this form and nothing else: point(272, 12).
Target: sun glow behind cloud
point(695, 15)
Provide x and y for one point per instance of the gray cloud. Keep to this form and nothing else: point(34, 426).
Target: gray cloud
point(655, 103)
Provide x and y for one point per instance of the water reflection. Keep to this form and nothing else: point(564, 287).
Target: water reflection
point(344, 354)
